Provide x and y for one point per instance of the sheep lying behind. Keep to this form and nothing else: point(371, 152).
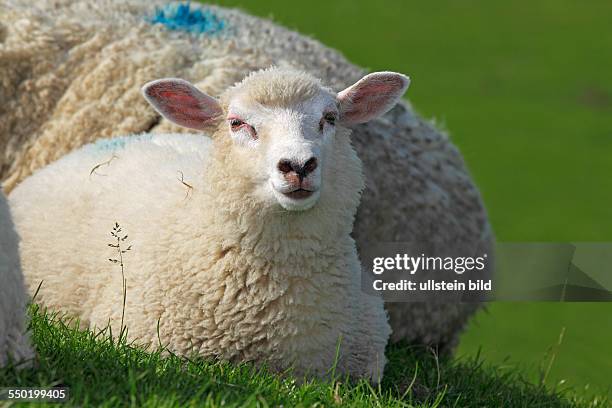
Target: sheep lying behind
point(71, 70)
point(14, 342)
point(241, 247)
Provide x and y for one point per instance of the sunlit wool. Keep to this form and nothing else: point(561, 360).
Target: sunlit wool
point(217, 264)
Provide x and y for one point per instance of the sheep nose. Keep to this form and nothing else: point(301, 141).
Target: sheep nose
point(302, 170)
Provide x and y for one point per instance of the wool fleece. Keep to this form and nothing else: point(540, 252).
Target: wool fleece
point(218, 264)
point(14, 340)
point(70, 74)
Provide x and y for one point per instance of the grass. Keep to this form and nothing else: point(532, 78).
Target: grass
point(524, 334)
point(103, 371)
point(525, 89)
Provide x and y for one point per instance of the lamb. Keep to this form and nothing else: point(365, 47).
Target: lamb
point(241, 246)
point(14, 340)
point(70, 74)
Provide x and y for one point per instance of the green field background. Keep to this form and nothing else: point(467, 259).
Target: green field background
point(525, 90)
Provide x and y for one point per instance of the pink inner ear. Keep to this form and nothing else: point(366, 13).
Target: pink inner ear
point(182, 103)
point(372, 96)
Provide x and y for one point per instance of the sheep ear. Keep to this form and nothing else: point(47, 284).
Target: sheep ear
point(182, 103)
point(373, 95)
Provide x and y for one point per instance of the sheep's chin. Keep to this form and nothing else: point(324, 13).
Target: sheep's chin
point(291, 204)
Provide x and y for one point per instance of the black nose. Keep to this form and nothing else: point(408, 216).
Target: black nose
point(302, 170)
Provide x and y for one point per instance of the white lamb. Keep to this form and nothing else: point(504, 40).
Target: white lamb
point(14, 342)
point(241, 245)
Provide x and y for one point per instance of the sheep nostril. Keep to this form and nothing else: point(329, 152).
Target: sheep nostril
point(310, 165)
point(284, 166)
point(287, 167)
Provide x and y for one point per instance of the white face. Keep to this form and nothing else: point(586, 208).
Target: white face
point(283, 150)
point(290, 143)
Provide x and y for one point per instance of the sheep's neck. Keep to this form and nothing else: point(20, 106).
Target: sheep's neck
point(270, 231)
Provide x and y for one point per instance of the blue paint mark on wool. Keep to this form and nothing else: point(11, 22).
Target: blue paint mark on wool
point(120, 142)
point(182, 17)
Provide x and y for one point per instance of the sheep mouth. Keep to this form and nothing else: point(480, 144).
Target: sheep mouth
point(299, 194)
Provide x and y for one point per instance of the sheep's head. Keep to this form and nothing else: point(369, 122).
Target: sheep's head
point(280, 125)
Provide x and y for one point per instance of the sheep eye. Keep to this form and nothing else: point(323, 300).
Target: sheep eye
point(330, 118)
point(236, 123)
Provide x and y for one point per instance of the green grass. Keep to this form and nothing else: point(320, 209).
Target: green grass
point(525, 334)
point(104, 372)
point(525, 89)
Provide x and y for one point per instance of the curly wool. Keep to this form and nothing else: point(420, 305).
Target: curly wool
point(14, 341)
point(71, 72)
point(213, 269)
